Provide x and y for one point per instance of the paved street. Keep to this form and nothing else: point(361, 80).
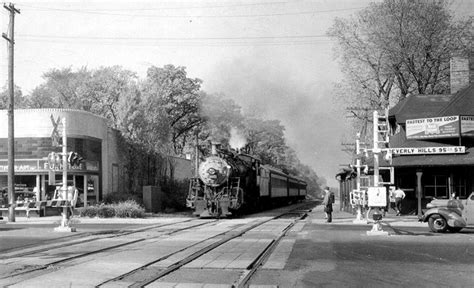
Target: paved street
point(342, 255)
point(312, 254)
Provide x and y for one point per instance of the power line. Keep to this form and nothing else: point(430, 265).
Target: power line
point(191, 16)
point(173, 38)
point(177, 43)
point(180, 8)
point(285, 40)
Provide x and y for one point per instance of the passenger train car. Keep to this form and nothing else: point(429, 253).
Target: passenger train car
point(231, 182)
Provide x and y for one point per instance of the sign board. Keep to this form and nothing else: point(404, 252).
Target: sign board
point(429, 128)
point(55, 137)
point(358, 197)
point(429, 150)
point(43, 165)
point(467, 125)
point(377, 196)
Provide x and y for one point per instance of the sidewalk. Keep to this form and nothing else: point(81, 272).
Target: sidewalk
point(346, 218)
point(86, 220)
point(317, 216)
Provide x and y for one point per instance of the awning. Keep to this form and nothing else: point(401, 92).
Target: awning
point(345, 173)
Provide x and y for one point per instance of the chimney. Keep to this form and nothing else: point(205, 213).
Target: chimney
point(459, 70)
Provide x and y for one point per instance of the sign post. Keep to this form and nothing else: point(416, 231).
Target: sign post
point(377, 196)
point(64, 227)
point(357, 196)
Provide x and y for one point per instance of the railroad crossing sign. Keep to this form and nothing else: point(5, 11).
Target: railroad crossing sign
point(55, 133)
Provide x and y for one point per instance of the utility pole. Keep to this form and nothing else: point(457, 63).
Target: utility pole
point(196, 157)
point(11, 136)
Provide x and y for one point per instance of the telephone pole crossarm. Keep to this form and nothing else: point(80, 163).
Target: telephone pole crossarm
point(11, 7)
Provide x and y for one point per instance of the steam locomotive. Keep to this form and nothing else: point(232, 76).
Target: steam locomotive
point(231, 182)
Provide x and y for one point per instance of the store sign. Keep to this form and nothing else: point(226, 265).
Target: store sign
point(429, 128)
point(42, 165)
point(20, 168)
point(429, 150)
point(467, 125)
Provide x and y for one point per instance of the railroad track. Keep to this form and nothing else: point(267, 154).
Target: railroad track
point(79, 238)
point(158, 267)
point(55, 248)
point(144, 275)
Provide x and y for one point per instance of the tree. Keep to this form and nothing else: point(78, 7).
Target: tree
point(43, 97)
point(107, 87)
point(266, 139)
point(63, 88)
point(98, 91)
point(20, 101)
point(170, 88)
point(397, 47)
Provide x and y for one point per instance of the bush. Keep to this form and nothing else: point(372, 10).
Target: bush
point(105, 211)
point(89, 211)
point(122, 197)
point(129, 209)
point(126, 209)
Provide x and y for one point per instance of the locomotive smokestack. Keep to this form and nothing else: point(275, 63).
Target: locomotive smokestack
point(214, 148)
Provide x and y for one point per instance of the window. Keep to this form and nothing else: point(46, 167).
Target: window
point(459, 186)
point(436, 186)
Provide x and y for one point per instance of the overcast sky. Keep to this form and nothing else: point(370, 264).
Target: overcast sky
point(272, 57)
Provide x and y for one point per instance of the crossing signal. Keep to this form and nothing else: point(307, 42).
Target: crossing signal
point(74, 159)
point(383, 126)
point(54, 160)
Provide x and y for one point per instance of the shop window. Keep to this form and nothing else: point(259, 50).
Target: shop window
point(460, 187)
point(436, 186)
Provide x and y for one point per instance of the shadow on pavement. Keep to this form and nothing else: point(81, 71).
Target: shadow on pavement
point(404, 232)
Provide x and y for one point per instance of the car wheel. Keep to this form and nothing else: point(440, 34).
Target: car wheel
point(437, 223)
point(454, 229)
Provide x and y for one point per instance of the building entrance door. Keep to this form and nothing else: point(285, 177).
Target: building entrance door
point(91, 190)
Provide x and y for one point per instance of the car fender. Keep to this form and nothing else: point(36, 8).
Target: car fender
point(453, 218)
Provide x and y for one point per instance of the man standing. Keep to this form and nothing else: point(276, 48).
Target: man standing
point(399, 196)
point(327, 202)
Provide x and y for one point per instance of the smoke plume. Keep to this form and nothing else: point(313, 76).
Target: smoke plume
point(237, 140)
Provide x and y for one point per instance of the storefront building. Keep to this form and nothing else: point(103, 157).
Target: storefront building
point(87, 134)
point(433, 143)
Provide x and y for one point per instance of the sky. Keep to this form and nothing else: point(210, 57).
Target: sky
point(271, 57)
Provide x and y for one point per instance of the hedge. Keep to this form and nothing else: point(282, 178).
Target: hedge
point(126, 209)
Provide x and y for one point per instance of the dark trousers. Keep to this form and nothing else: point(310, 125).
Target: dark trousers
point(329, 212)
point(329, 217)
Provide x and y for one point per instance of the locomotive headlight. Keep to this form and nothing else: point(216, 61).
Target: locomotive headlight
point(214, 171)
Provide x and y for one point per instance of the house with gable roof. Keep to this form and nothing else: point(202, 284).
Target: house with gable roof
point(433, 142)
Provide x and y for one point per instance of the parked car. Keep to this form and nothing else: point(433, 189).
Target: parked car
point(450, 215)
